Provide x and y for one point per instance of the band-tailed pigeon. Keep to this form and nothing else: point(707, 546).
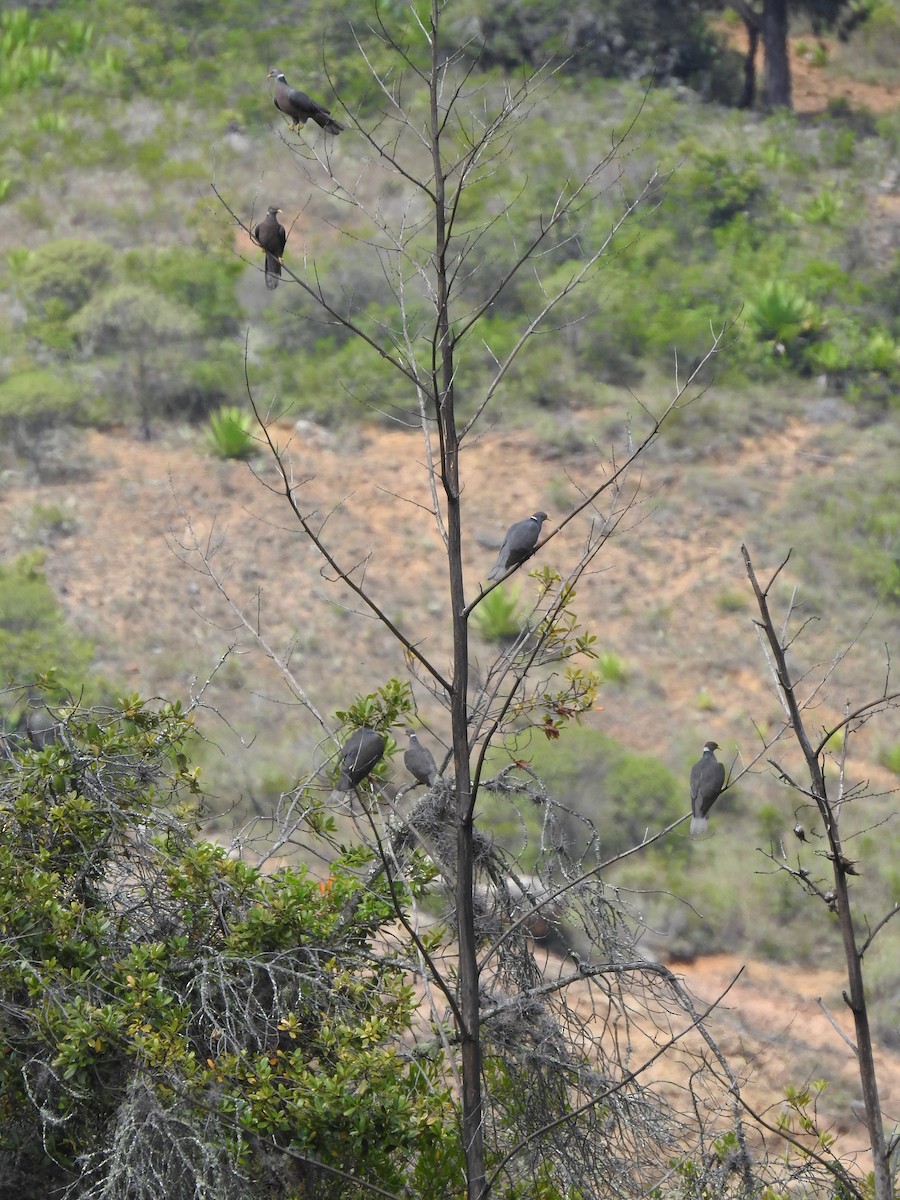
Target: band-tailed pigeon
point(707, 780)
point(360, 754)
point(300, 107)
point(420, 762)
point(518, 544)
point(271, 236)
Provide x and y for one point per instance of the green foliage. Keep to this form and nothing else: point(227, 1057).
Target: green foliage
point(50, 521)
point(380, 710)
point(131, 317)
point(624, 794)
point(34, 639)
point(63, 277)
point(890, 758)
point(824, 208)
point(779, 313)
point(150, 353)
point(498, 618)
point(720, 189)
point(769, 824)
point(200, 280)
point(171, 1029)
point(35, 401)
point(616, 39)
point(230, 432)
point(729, 601)
point(611, 667)
point(857, 527)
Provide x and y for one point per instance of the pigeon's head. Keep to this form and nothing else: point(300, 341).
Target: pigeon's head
point(710, 746)
point(274, 210)
point(540, 517)
point(276, 74)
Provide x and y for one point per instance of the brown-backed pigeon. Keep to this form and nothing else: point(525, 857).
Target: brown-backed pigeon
point(360, 754)
point(300, 107)
point(271, 236)
point(518, 544)
point(707, 780)
point(420, 762)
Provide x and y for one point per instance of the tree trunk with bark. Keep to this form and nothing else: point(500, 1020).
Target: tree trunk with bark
point(776, 92)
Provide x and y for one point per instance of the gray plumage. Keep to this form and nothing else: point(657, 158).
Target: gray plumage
point(518, 544)
point(300, 107)
point(41, 726)
point(707, 781)
point(360, 755)
point(270, 234)
point(419, 761)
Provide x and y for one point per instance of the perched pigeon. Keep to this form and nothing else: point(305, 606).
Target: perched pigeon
point(41, 725)
point(300, 107)
point(271, 236)
point(420, 762)
point(361, 753)
point(518, 544)
point(707, 780)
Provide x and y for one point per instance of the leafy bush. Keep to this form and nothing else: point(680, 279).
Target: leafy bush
point(34, 638)
point(178, 1014)
point(202, 281)
point(35, 401)
point(617, 39)
point(623, 793)
point(611, 667)
point(64, 276)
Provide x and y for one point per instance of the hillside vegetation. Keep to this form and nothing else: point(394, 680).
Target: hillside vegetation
point(241, 524)
point(131, 296)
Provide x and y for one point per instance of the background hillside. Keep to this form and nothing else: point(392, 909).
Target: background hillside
point(130, 295)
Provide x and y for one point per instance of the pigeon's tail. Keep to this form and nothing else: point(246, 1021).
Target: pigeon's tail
point(698, 825)
point(273, 272)
point(329, 124)
point(338, 795)
point(497, 571)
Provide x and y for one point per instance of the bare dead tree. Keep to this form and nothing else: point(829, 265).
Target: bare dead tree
point(828, 801)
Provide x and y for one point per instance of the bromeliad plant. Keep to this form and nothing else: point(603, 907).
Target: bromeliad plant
point(229, 432)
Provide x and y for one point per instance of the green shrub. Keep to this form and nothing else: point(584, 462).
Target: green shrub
point(624, 794)
point(498, 618)
point(163, 1006)
point(35, 401)
point(49, 521)
point(203, 281)
point(779, 313)
point(721, 190)
point(729, 601)
point(63, 277)
point(34, 638)
point(611, 667)
point(824, 208)
point(230, 433)
point(890, 758)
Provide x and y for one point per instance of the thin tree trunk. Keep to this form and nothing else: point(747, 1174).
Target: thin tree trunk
point(443, 383)
point(748, 92)
point(777, 70)
point(855, 998)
